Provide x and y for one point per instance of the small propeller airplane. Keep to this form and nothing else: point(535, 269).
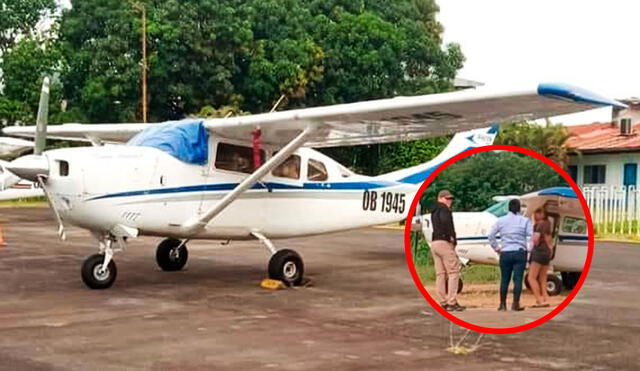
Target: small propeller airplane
point(569, 228)
point(257, 176)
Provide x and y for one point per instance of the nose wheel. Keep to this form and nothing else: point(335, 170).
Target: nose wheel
point(172, 255)
point(95, 275)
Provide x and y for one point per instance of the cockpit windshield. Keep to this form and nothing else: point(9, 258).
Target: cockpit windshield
point(186, 140)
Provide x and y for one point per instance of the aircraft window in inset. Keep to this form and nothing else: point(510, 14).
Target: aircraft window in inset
point(499, 209)
point(574, 225)
point(64, 167)
point(290, 168)
point(317, 171)
point(236, 158)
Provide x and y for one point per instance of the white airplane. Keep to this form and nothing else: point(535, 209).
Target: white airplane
point(14, 147)
point(257, 176)
point(569, 232)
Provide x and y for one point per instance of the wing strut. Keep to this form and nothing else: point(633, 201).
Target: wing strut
point(197, 224)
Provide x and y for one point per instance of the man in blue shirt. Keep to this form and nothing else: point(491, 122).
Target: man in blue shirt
point(515, 233)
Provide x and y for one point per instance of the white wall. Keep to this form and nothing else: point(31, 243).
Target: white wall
point(614, 163)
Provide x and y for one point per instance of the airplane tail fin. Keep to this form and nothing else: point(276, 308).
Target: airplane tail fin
point(459, 143)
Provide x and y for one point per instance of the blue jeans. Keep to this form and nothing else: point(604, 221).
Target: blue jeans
point(512, 262)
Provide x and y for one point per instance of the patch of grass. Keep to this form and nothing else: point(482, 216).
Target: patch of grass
point(423, 261)
point(25, 202)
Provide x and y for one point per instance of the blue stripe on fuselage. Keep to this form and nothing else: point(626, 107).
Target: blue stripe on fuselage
point(351, 186)
point(422, 175)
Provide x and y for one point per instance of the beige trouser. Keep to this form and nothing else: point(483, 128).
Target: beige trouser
point(447, 265)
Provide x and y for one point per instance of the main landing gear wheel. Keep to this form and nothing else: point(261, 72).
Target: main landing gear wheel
point(94, 276)
point(170, 256)
point(286, 266)
point(554, 285)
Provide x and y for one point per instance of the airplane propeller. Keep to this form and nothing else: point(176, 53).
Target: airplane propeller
point(35, 167)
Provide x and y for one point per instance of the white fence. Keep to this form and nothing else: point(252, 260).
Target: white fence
point(614, 209)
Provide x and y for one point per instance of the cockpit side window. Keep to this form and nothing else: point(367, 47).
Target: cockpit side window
point(290, 168)
point(64, 167)
point(236, 158)
point(317, 171)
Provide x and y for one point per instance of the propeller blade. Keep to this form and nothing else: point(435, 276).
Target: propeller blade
point(41, 121)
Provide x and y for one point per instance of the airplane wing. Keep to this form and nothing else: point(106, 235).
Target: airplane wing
point(377, 121)
point(94, 133)
point(408, 118)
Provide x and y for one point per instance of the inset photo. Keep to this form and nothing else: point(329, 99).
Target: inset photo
point(500, 239)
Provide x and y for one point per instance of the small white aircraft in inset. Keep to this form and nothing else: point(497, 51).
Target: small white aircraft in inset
point(568, 224)
point(257, 176)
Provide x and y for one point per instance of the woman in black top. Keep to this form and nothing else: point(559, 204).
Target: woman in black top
point(540, 258)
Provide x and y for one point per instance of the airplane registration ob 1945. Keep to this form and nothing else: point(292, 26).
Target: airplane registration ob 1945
point(388, 202)
point(571, 227)
point(257, 176)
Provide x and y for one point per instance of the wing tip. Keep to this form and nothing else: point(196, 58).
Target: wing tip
point(576, 94)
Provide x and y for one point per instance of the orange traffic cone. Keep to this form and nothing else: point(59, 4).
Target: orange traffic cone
point(2, 241)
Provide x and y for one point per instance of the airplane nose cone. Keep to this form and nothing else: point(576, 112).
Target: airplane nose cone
point(29, 167)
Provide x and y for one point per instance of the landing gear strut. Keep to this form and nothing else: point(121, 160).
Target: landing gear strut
point(99, 271)
point(285, 265)
point(172, 255)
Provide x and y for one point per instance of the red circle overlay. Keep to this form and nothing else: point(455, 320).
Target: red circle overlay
point(471, 326)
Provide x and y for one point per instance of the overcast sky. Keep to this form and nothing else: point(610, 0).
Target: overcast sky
point(593, 44)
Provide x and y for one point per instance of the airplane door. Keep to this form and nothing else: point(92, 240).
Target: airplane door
point(572, 245)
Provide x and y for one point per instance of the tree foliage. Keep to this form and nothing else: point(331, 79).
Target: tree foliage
point(475, 180)
point(19, 19)
point(548, 140)
point(24, 67)
point(223, 52)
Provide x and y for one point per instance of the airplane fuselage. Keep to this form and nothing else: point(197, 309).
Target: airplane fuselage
point(98, 188)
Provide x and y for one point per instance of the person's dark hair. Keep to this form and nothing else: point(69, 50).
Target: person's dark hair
point(514, 206)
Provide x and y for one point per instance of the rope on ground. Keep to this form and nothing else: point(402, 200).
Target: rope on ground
point(459, 348)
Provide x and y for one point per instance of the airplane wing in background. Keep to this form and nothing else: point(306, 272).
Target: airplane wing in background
point(377, 121)
point(94, 133)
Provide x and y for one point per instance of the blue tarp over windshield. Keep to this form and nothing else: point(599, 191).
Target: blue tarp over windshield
point(186, 140)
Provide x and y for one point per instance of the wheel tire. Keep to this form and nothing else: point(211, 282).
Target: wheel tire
point(554, 285)
point(93, 278)
point(460, 285)
point(169, 257)
point(286, 266)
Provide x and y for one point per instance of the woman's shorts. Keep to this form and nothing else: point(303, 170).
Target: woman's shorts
point(541, 255)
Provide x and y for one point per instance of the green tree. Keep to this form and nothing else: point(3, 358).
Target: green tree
point(475, 180)
point(24, 67)
point(549, 140)
point(19, 19)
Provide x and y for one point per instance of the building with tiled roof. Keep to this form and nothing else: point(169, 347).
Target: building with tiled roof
point(610, 151)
